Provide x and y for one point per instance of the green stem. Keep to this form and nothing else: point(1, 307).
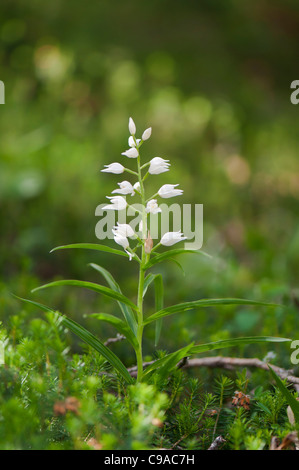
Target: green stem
point(141, 280)
point(140, 324)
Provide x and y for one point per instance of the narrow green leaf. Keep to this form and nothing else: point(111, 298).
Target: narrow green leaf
point(96, 344)
point(159, 304)
point(91, 286)
point(175, 357)
point(168, 254)
point(167, 363)
point(159, 298)
point(91, 246)
point(88, 338)
point(291, 400)
point(228, 343)
point(126, 310)
point(36, 304)
point(147, 282)
point(202, 303)
point(120, 325)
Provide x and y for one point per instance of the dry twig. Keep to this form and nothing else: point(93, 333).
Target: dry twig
point(230, 363)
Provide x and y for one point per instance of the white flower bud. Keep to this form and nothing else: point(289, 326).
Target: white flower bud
point(132, 127)
point(115, 168)
point(158, 165)
point(170, 238)
point(132, 143)
point(147, 133)
point(167, 190)
point(131, 153)
point(137, 187)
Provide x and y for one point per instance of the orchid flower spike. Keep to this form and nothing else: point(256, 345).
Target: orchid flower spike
point(115, 168)
point(158, 165)
point(170, 238)
point(125, 188)
point(168, 190)
point(118, 203)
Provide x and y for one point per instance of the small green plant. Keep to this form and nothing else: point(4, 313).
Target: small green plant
point(146, 255)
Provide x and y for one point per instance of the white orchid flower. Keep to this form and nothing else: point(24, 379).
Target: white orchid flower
point(118, 203)
point(158, 165)
point(115, 168)
point(125, 188)
point(168, 190)
point(123, 230)
point(132, 127)
point(131, 153)
point(152, 207)
point(147, 133)
point(170, 238)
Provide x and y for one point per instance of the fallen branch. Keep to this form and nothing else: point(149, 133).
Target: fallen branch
point(114, 340)
point(229, 363)
point(219, 441)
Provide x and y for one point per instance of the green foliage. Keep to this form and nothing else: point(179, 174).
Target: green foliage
point(230, 128)
point(51, 399)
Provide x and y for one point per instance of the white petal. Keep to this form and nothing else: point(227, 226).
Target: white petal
point(122, 241)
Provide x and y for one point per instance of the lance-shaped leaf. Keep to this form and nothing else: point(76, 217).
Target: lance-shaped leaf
point(229, 343)
point(202, 303)
point(159, 303)
point(167, 363)
point(91, 286)
point(91, 246)
point(119, 325)
point(147, 282)
point(291, 400)
point(126, 310)
point(89, 339)
point(159, 298)
point(175, 357)
point(170, 253)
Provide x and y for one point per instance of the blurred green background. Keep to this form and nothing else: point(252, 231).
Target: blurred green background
point(213, 80)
